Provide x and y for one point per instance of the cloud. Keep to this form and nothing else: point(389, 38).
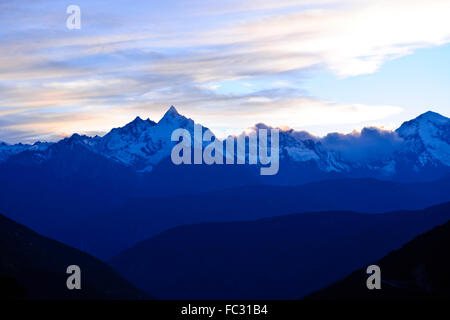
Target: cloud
point(142, 58)
point(351, 38)
point(370, 144)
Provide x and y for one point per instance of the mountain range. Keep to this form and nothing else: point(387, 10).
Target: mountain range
point(418, 150)
point(141, 218)
point(120, 198)
point(282, 257)
point(124, 187)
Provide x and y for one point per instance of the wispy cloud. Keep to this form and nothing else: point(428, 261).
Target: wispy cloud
point(129, 60)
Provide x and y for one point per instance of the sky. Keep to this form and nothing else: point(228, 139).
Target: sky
point(321, 66)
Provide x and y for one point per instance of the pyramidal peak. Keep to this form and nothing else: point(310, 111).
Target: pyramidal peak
point(171, 113)
point(172, 110)
point(173, 119)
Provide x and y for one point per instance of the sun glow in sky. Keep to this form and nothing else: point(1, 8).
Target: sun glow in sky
point(320, 66)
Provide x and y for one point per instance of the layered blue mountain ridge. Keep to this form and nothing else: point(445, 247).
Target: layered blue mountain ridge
point(104, 194)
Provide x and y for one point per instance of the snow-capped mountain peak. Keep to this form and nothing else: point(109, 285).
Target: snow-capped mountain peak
point(428, 135)
point(173, 120)
point(433, 117)
point(420, 144)
point(423, 122)
point(143, 143)
point(172, 111)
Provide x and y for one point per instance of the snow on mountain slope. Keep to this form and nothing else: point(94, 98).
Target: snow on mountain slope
point(8, 150)
point(140, 144)
point(428, 137)
point(300, 149)
point(143, 143)
point(424, 140)
point(300, 146)
point(126, 144)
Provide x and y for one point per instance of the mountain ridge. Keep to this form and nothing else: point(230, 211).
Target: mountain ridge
point(284, 257)
point(418, 145)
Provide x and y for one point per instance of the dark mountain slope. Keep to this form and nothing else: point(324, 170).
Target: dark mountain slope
point(34, 267)
point(418, 270)
point(78, 212)
point(145, 217)
point(275, 258)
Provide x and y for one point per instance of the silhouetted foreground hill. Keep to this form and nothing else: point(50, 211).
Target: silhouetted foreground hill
point(419, 270)
point(282, 257)
point(34, 267)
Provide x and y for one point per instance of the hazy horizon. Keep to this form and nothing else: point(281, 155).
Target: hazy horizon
point(282, 128)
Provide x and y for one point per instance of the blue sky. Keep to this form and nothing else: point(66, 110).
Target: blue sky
point(321, 66)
